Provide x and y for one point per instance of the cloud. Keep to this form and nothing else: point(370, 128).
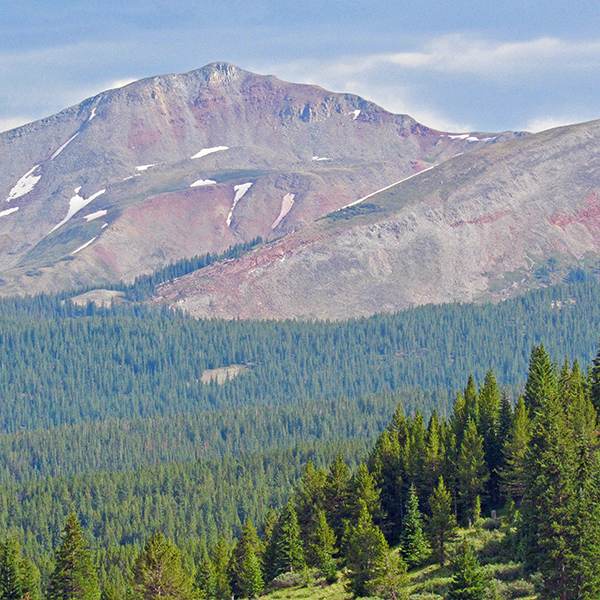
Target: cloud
point(8, 123)
point(543, 123)
point(473, 55)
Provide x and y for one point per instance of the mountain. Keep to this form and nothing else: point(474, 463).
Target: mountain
point(180, 165)
point(504, 218)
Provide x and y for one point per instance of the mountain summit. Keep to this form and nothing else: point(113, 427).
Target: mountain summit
point(179, 165)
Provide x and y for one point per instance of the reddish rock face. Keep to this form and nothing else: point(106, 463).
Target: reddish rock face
point(487, 225)
point(130, 152)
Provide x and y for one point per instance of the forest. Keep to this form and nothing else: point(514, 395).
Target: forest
point(368, 516)
point(115, 443)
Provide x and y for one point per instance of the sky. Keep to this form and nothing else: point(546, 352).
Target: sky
point(459, 66)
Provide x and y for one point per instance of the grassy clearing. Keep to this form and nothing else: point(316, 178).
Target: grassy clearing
point(432, 582)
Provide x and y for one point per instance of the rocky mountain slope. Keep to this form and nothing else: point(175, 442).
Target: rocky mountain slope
point(180, 165)
point(488, 224)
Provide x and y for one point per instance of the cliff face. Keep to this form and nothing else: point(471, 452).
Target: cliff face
point(484, 225)
point(179, 165)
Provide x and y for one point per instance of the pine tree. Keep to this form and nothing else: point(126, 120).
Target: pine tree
point(488, 428)
point(469, 581)
point(158, 572)
point(286, 552)
point(248, 539)
point(250, 580)
point(366, 548)
point(472, 470)
point(309, 498)
point(516, 453)
point(594, 383)
point(336, 494)
point(362, 488)
point(541, 380)
point(442, 523)
point(322, 548)
point(220, 560)
point(206, 579)
point(74, 576)
point(19, 577)
point(390, 577)
point(414, 546)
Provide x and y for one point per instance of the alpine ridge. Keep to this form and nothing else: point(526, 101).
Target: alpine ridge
point(176, 166)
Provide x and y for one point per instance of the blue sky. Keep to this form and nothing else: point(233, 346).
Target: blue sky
point(458, 66)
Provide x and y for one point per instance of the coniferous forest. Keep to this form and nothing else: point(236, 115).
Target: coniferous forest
point(426, 454)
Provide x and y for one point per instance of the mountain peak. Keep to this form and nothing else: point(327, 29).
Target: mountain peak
point(221, 73)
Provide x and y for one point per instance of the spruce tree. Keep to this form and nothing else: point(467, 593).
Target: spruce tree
point(322, 548)
point(220, 560)
point(248, 539)
point(362, 488)
point(390, 577)
point(206, 579)
point(442, 523)
point(414, 546)
point(469, 581)
point(11, 584)
point(74, 576)
point(250, 580)
point(286, 552)
point(516, 453)
point(541, 380)
point(158, 572)
point(472, 470)
point(366, 549)
point(336, 495)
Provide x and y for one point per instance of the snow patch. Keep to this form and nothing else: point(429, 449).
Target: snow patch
point(64, 146)
point(76, 203)
point(286, 206)
point(84, 246)
point(95, 215)
point(206, 151)
point(320, 158)
point(144, 167)
point(459, 136)
point(355, 113)
point(24, 185)
point(203, 182)
point(8, 211)
point(77, 190)
point(240, 190)
point(93, 114)
point(387, 187)
point(103, 226)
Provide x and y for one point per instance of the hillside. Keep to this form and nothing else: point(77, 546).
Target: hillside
point(490, 224)
point(179, 165)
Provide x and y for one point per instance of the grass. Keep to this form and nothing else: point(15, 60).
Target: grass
point(432, 582)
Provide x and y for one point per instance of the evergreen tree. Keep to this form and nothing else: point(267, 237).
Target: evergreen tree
point(336, 494)
point(469, 581)
point(472, 470)
point(390, 577)
point(158, 573)
point(322, 548)
point(414, 546)
point(19, 577)
point(366, 549)
point(541, 380)
point(286, 553)
point(442, 523)
point(362, 488)
point(248, 539)
point(220, 561)
point(74, 576)
point(309, 498)
point(516, 453)
point(206, 579)
point(250, 580)
point(488, 428)
point(594, 383)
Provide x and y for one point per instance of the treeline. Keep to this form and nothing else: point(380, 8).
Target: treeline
point(67, 364)
point(144, 285)
point(539, 463)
